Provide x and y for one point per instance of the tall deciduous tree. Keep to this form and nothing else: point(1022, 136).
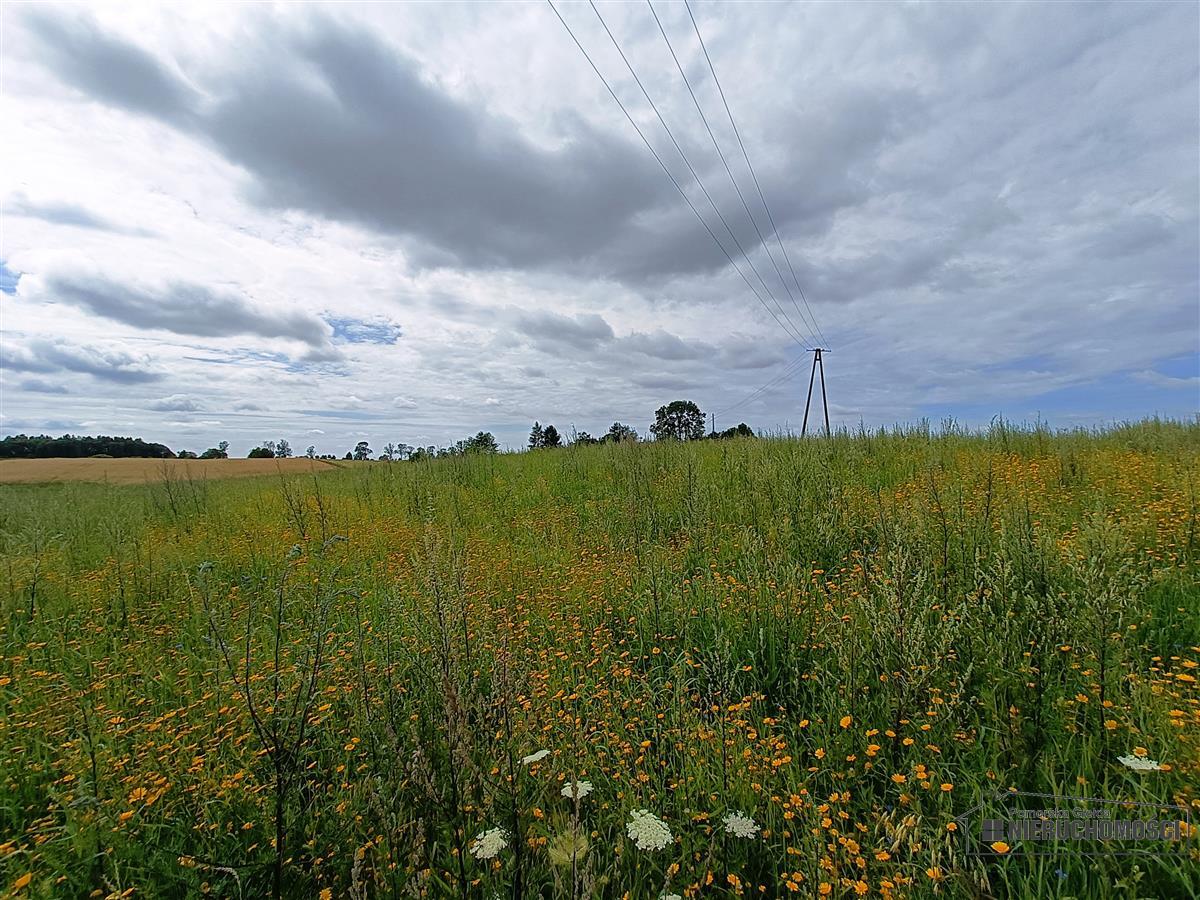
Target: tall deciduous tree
point(550, 437)
point(679, 420)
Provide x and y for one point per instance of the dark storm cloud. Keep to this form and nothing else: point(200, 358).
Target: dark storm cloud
point(190, 309)
point(44, 357)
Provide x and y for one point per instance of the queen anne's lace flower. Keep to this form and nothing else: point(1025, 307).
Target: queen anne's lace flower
point(1140, 763)
point(488, 844)
point(647, 830)
point(576, 790)
point(740, 824)
point(534, 757)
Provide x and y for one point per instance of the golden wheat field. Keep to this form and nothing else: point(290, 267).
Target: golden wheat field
point(743, 668)
point(140, 471)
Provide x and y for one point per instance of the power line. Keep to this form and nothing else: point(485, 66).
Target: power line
point(750, 166)
point(667, 171)
point(717, 146)
point(690, 167)
point(772, 383)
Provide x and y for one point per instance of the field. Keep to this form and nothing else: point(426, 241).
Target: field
point(139, 471)
point(467, 677)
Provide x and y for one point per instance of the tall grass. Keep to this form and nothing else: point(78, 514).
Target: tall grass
point(293, 686)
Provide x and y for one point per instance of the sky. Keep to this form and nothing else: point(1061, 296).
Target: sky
point(410, 222)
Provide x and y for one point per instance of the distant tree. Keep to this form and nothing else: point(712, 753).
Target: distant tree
point(584, 438)
point(362, 450)
point(185, 454)
point(43, 446)
point(742, 430)
point(618, 433)
point(262, 452)
point(483, 442)
point(404, 451)
point(311, 452)
point(348, 455)
point(679, 420)
point(214, 453)
point(223, 446)
point(537, 438)
point(550, 437)
point(283, 449)
point(389, 452)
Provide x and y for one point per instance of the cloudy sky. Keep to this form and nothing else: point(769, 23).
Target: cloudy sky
point(410, 222)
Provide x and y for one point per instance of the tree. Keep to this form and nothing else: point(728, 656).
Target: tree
point(679, 420)
point(742, 430)
point(311, 452)
point(483, 442)
point(583, 438)
point(618, 433)
point(389, 452)
point(214, 453)
point(283, 449)
point(224, 448)
point(537, 438)
point(261, 453)
point(362, 450)
point(269, 445)
point(348, 455)
point(550, 437)
point(404, 451)
point(185, 454)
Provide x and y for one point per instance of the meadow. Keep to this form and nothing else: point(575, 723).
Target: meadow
point(751, 667)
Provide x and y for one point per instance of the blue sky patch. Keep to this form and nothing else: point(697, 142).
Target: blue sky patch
point(8, 279)
point(364, 331)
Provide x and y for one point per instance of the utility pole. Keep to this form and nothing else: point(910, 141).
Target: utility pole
point(818, 363)
point(713, 416)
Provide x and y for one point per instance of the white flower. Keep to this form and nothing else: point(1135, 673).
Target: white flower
point(534, 757)
point(576, 790)
point(1140, 763)
point(669, 897)
point(488, 844)
point(647, 830)
point(740, 824)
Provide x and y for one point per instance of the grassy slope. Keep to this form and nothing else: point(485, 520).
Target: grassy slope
point(850, 641)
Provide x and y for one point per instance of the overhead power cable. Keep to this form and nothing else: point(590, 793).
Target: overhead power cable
point(750, 166)
point(696, 175)
point(764, 389)
point(669, 175)
point(728, 171)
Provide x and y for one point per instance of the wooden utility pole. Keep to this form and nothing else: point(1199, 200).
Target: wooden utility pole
point(818, 363)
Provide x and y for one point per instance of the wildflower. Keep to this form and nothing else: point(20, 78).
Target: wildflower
point(647, 830)
point(1139, 763)
point(669, 897)
point(488, 844)
point(846, 720)
point(740, 825)
point(534, 757)
point(576, 790)
point(1000, 846)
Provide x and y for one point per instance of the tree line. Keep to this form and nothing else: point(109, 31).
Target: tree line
point(680, 420)
point(73, 446)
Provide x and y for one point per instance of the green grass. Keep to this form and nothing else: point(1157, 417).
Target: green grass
point(329, 683)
